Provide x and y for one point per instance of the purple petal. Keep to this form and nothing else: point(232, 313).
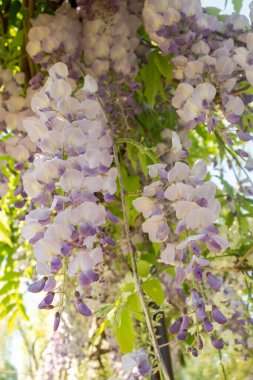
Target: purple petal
point(108, 197)
point(195, 248)
point(83, 309)
point(112, 217)
point(57, 319)
point(50, 284)
point(218, 316)
point(218, 344)
point(37, 286)
point(93, 276)
point(36, 237)
point(200, 312)
point(180, 227)
point(174, 329)
point(49, 298)
point(194, 352)
point(196, 300)
point(185, 323)
point(197, 271)
point(214, 282)
point(200, 343)
point(144, 367)
point(84, 280)
point(208, 326)
point(66, 249)
point(182, 335)
point(242, 153)
point(244, 136)
point(56, 264)
point(47, 301)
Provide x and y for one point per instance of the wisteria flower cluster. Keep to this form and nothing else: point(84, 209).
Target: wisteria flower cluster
point(109, 38)
point(212, 61)
point(54, 38)
point(73, 164)
point(14, 108)
point(183, 191)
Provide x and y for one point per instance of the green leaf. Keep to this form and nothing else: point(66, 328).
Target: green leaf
point(237, 5)
point(5, 235)
point(133, 305)
point(18, 39)
point(154, 290)
point(150, 75)
point(125, 331)
point(143, 268)
point(8, 286)
point(12, 321)
point(143, 163)
point(227, 187)
point(22, 311)
point(10, 276)
point(164, 66)
point(213, 11)
point(229, 219)
point(131, 151)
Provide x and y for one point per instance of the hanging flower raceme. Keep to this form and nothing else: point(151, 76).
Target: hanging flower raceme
point(183, 192)
point(14, 108)
point(109, 38)
point(71, 169)
point(54, 38)
point(212, 60)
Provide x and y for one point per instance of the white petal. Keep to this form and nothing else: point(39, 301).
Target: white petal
point(200, 218)
point(168, 254)
point(90, 84)
point(59, 69)
point(144, 205)
point(72, 179)
point(179, 191)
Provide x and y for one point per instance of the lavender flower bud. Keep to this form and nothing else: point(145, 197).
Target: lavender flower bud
point(195, 352)
point(182, 335)
point(244, 136)
point(37, 286)
point(46, 302)
point(57, 319)
point(214, 282)
point(197, 271)
point(218, 316)
point(196, 300)
point(195, 248)
point(200, 312)
point(174, 329)
point(200, 343)
point(208, 326)
point(218, 344)
point(83, 309)
point(112, 217)
point(185, 323)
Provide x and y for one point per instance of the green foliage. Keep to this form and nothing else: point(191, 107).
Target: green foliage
point(237, 5)
point(154, 74)
point(154, 290)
